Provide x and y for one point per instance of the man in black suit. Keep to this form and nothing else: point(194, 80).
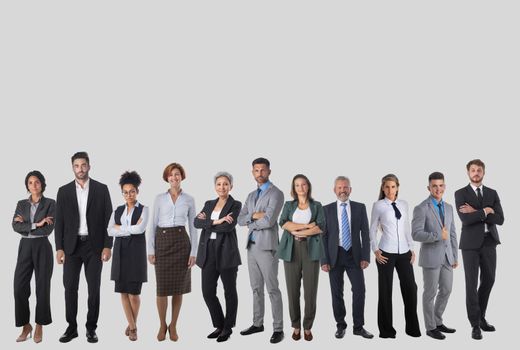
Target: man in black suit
point(83, 210)
point(347, 248)
point(480, 211)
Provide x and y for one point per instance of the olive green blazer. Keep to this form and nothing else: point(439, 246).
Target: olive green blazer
point(315, 246)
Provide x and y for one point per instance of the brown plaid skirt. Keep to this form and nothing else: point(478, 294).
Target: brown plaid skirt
point(172, 251)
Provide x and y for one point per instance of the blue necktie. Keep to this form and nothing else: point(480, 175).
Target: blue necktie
point(346, 240)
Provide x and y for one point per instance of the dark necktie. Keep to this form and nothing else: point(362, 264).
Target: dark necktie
point(441, 213)
point(258, 191)
point(479, 196)
point(397, 212)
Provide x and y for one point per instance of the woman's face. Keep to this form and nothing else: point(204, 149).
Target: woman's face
point(130, 193)
point(175, 178)
point(390, 189)
point(223, 186)
point(301, 187)
point(34, 185)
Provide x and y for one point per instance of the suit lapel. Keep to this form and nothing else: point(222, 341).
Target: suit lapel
point(91, 193)
point(435, 212)
point(39, 209)
point(335, 224)
point(475, 204)
point(227, 207)
point(74, 196)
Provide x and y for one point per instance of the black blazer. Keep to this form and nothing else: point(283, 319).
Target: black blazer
point(474, 224)
point(46, 208)
point(228, 254)
point(99, 210)
point(358, 229)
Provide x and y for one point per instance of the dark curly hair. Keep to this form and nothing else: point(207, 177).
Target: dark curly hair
point(130, 178)
point(39, 176)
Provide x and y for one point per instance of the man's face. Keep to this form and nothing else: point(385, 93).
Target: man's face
point(476, 173)
point(342, 190)
point(261, 173)
point(81, 169)
point(437, 188)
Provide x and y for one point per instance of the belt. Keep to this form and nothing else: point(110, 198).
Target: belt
point(175, 229)
point(301, 239)
point(83, 238)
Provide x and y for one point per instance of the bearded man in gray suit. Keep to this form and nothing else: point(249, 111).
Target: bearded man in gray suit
point(433, 225)
point(260, 214)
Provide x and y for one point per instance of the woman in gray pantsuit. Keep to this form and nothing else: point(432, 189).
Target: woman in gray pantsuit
point(34, 221)
point(301, 248)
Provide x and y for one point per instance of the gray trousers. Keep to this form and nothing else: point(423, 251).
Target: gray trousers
point(263, 269)
point(301, 267)
point(437, 290)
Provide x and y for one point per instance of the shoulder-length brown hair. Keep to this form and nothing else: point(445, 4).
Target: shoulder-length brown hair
point(293, 187)
point(168, 170)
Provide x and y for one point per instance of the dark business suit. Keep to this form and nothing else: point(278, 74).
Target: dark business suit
point(219, 257)
point(78, 252)
point(478, 242)
point(349, 261)
point(34, 254)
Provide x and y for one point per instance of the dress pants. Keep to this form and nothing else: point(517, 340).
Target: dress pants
point(485, 260)
point(210, 275)
point(401, 263)
point(263, 270)
point(437, 289)
point(345, 263)
point(34, 254)
point(83, 255)
point(302, 267)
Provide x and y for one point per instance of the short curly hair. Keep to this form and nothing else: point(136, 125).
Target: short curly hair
point(40, 177)
point(168, 170)
point(130, 178)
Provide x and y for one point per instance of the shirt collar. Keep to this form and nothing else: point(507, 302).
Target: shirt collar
point(435, 203)
point(85, 187)
point(338, 202)
point(475, 187)
point(264, 186)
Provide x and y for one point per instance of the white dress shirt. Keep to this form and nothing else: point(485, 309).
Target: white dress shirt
point(82, 195)
point(396, 237)
point(214, 216)
point(126, 229)
point(302, 216)
point(340, 210)
point(166, 214)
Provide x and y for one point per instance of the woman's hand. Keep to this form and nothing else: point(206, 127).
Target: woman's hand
point(191, 262)
point(201, 216)
point(412, 258)
point(380, 258)
point(228, 218)
point(151, 259)
point(18, 218)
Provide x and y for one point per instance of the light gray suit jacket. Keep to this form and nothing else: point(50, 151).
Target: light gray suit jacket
point(266, 228)
point(427, 228)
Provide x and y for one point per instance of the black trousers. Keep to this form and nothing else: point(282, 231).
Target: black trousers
point(34, 254)
point(401, 263)
point(210, 275)
point(346, 263)
point(485, 260)
point(83, 255)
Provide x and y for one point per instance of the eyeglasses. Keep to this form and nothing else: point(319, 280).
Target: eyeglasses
point(128, 193)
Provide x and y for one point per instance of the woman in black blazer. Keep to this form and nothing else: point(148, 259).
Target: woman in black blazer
point(34, 221)
point(128, 225)
point(218, 255)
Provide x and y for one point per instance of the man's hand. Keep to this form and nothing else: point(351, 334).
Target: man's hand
point(60, 256)
point(325, 267)
point(363, 264)
point(444, 234)
point(106, 254)
point(258, 215)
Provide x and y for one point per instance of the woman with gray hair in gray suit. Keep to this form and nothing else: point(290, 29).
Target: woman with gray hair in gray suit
point(218, 255)
point(34, 221)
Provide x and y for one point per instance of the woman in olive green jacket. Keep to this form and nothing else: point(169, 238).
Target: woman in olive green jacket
point(301, 248)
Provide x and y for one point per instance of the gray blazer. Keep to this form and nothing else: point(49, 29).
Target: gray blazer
point(427, 228)
point(46, 208)
point(266, 229)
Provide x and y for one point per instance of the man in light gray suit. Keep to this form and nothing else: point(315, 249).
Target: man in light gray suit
point(260, 215)
point(433, 225)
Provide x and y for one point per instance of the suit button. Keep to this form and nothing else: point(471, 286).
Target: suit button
point(163, 231)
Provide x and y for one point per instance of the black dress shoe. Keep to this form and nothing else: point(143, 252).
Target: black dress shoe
point(387, 336)
point(363, 332)
point(68, 336)
point(224, 335)
point(476, 333)
point(92, 337)
point(340, 333)
point(253, 329)
point(442, 328)
point(435, 334)
point(214, 334)
point(276, 337)
point(485, 326)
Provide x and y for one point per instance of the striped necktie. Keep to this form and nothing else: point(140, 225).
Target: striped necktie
point(346, 241)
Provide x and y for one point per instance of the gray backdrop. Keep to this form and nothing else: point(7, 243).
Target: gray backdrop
point(324, 88)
